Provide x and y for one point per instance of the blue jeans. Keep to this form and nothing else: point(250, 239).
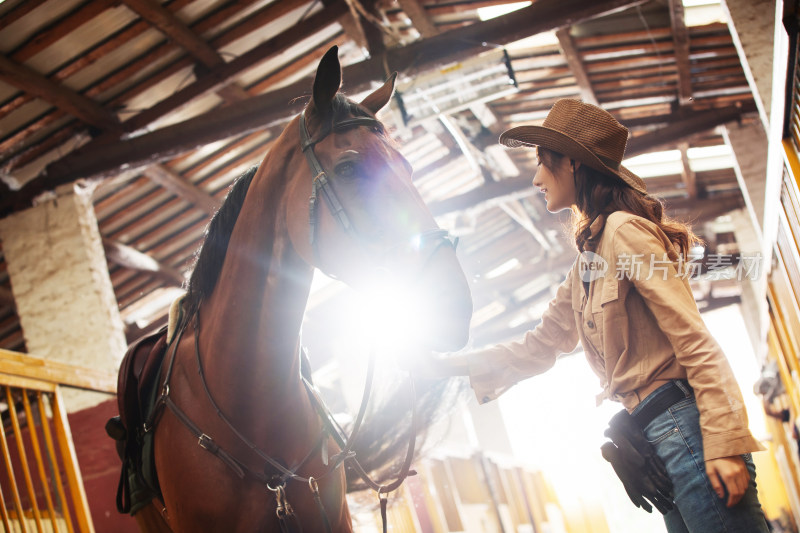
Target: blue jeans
point(675, 434)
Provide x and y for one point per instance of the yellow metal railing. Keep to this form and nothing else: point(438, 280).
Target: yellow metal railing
point(41, 488)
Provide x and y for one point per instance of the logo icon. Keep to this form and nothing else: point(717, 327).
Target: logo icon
point(591, 266)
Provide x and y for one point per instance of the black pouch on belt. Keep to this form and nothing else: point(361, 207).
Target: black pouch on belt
point(635, 461)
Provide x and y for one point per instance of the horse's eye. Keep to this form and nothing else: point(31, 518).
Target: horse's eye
point(346, 169)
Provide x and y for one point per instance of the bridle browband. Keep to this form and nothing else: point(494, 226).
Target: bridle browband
point(434, 238)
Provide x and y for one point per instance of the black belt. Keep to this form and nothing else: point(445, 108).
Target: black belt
point(664, 399)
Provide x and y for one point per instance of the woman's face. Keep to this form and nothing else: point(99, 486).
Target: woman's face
point(555, 180)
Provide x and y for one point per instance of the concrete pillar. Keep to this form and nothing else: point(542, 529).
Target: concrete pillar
point(752, 25)
point(490, 428)
point(754, 289)
point(749, 145)
point(59, 278)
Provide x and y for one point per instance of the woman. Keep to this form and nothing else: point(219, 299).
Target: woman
point(627, 299)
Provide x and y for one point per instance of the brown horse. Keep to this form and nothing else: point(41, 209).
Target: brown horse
point(241, 433)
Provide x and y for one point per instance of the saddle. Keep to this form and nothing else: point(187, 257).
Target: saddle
point(137, 391)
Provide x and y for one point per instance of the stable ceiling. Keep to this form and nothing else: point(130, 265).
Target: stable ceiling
point(161, 105)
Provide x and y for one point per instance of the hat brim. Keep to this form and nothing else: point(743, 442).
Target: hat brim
point(531, 136)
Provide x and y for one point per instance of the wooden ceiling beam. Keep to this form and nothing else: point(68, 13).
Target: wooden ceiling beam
point(172, 181)
point(94, 114)
point(19, 11)
point(175, 30)
point(181, 34)
point(367, 15)
point(570, 52)
point(30, 81)
point(270, 12)
point(495, 191)
point(512, 187)
point(7, 298)
point(352, 28)
point(680, 38)
point(517, 212)
point(263, 16)
point(675, 131)
point(698, 211)
point(71, 67)
point(688, 176)
point(129, 257)
point(275, 107)
point(225, 73)
point(52, 33)
point(419, 17)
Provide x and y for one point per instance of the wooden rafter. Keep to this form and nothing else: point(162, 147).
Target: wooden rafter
point(19, 11)
point(49, 35)
point(680, 38)
point(511, 187)
point(352, 28)
point(701, 211)
point(173, 28)
point(172, 181)
point(491, 191)
point(694, 123)
point(28, 80)
point(688, 176)
point(366, 13)
point(6, 298)
point(419, 17)
point(268, 13)
point(94, 114)
point(129, 257)
point(573, 58)
point(225, 73)
point(176, 30)
point(275, 107)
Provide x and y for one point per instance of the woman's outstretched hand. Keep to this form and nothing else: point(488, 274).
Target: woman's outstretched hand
point(728, 473)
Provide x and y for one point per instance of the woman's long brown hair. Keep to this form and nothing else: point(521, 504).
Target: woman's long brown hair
point(600, 194)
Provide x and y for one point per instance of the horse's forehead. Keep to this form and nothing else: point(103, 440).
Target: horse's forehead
point(365, 138)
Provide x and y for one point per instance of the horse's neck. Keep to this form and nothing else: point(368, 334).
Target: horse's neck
point(251, 323)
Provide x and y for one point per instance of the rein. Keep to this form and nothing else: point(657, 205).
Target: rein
point(431, 239)
point(277, 484)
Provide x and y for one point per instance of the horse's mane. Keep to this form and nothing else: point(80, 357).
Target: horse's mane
point(211, 254)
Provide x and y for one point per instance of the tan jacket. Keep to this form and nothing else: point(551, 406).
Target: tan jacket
point(638, 325)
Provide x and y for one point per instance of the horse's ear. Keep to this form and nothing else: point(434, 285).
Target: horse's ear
point(327, 81)
point(380, 97)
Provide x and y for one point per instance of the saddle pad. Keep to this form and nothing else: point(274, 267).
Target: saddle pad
point(175, 317)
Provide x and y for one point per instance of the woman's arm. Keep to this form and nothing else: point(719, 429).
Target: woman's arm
point(495, 369)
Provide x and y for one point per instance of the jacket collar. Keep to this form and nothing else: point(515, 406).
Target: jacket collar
point(595, 230)
point(596, 226)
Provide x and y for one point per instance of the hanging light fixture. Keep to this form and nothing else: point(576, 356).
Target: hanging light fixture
point(456, 86)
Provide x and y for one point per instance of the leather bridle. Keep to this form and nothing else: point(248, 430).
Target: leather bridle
point(431, 239)
point(321, 186)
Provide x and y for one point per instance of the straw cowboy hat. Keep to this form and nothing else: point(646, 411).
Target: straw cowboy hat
point(583, 132)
